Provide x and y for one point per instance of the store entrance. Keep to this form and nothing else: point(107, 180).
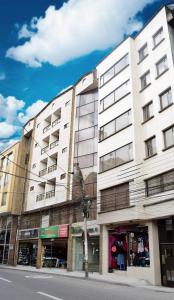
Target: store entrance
point(167, 264)
point(55, 253)
point(117, 252)
point(27, 254)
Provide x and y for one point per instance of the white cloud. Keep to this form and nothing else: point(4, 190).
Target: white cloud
point(13, 115)
point(2, 76)
point(76, 29)
point(24, 32)
point(31, 111)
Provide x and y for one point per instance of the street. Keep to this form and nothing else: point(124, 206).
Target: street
point(20, 285)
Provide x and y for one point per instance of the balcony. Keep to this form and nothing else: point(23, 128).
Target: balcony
point(40, 197)
point(55, 122)
point(43, 150)
point(47, 128)
point(50, 194)
point(54, 144)
point(43, 172)
point(52, 168)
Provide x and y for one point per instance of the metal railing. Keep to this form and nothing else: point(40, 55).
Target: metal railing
point(50, 194)
point(55, 122)
point(47, 128)
point(52, 168)
point(43, 150)
point(40, 197)
point(43, 172)
point(54, 144)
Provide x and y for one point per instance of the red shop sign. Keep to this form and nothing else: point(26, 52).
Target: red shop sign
point(63, 231)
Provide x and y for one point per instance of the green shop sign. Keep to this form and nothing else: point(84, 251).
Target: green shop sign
point(48, 232)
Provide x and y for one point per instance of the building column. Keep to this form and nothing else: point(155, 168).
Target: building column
point(69, 253)
point(12, 243)
point(39, 254)
point(103, 250)
point(154, 252)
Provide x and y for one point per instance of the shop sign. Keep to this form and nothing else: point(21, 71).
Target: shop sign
point(54, 232)
point(28, 234)
point(78, 230)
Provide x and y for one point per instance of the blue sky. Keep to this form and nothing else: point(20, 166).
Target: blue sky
point(46, 45)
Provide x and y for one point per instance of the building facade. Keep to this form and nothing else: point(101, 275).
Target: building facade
point(136, 156)
point(12, 172)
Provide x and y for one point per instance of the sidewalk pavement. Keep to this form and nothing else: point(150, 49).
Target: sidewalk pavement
point(109, 278)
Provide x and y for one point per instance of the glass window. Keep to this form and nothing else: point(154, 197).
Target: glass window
point(124, 154)
point(121, 91)
point(4, 199)
point(86, 109)
point(107, 162)
point(86, 98)
point(107, 130)
point(147, 111)
point(86, 147)
point(166, 98)
point(9, 159)
point(158, 37)
point(109, 100)
point(143, 52)
point(2, 163)
point(169, 137)
point(160, 183)
point(145, 80)
point(86, 161)
point(108, 75)
point(168, 181)
point(150, 146)
point(161, 66)
point(6, 179)
point(86, 121)
point(123, 121)
point(154, 186)
point(121, 64)
point(86, 134)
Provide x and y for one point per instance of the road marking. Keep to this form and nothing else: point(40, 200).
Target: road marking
point(48, 296)
point(38, 276)
point(3, 279)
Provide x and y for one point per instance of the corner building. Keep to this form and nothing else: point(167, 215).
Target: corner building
point(136, 155)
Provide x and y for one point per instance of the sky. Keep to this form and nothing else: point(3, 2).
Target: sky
point(47, 45)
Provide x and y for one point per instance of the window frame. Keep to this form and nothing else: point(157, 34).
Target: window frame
point(155, 35)
point(162, 59)
point(160, 99)
point(141, 77)
point(139, 51)
point(147, 149)
point(164, 131)
point(147, 105)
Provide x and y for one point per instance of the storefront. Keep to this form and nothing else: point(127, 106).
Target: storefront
point(78, 247)
point(28, 244)
point(128, 246)
point(54, 246)
point(5, 231)
point(166, 243)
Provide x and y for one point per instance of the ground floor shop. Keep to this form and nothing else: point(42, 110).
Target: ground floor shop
point(7, 238)
point(131, 250)
point(78, 247)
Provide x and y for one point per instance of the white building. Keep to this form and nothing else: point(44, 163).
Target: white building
point(136, 154)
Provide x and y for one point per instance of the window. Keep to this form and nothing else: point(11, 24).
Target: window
point(64, 150)
point(33, 166)
point(6, 179)
point(9, 159)
point(86, 147)
point(165, 98)
point(116, 158)
point(86, 161)
point(115, 125)
point(145, 80)
point(63, 176)
point(169, 137)
point(158, 37)
point(113, 71)
point(147, 111)
point(86, 121)
point(66, 125)
point(85, 109)
point(2, 163)
point(114, 198)
point(161, 66)
point(115, 96)
point(85, 134)
point(31, 188)
point(143, 52)
point(150, 145)
point(160, 183)
point(4, 199)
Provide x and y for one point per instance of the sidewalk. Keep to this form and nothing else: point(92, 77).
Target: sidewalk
point(110, 278)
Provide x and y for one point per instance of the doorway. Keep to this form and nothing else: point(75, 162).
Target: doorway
point(167, 264)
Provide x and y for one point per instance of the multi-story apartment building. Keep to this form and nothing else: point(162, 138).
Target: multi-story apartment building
point(12, 172)
point(136, 155)
point(63, 148)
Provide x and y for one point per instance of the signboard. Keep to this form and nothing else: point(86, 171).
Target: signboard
point(28, 234)
point(78, 230)
point(57, 231)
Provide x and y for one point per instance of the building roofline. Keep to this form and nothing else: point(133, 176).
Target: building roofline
point(8, 148)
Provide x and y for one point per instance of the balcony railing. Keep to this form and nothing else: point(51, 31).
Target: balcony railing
point(47, 128)
point(55, 122)
point(43, 150)
point(42, 172)
point(40, 197)
point(50, 194)
point(52, 168)
point(54, 144)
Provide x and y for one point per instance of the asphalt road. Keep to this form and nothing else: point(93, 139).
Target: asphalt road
point(20, 285)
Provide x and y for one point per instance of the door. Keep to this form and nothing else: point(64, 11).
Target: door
point(167, 264)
